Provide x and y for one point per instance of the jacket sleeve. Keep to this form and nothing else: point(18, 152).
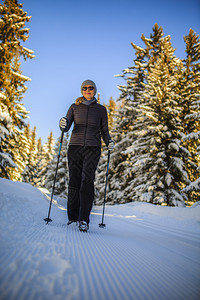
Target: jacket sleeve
point(70, 117)
point(104, 127)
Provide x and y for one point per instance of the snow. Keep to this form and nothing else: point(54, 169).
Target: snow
point(7, 160)
point(193, 135)
point(27, 49)
point(144, 252)
point(193, 186)
point(20, 76)
point(2, 96)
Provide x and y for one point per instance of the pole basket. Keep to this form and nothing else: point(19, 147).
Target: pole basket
point(47, 220)
point(101, 225)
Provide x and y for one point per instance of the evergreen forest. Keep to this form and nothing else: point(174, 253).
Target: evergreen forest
point(155, 122)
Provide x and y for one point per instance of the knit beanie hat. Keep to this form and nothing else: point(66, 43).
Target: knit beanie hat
point(89, 82)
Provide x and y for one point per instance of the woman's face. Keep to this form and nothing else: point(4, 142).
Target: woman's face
point(88, 92)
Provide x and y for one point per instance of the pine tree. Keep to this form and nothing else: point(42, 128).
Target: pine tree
point(6, 161)
point(38, 165)
point(98, 98)
point(120, 172)
point(29, 174)
point(17, 143)
point(101, 169)
point(47, 156)
point(132, 134)
point(12, 85)
point(166, 169)
point(147, 161)
point(111, 110)
point(153, 46)
point(190, 117)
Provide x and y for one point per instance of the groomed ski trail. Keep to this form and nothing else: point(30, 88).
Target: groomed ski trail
point(132, 258)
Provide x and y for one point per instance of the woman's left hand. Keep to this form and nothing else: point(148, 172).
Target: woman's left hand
point(111, 145)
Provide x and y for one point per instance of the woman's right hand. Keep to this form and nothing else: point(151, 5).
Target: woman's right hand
point(63, 123)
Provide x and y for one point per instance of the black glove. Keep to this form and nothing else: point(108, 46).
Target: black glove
point(63, 123)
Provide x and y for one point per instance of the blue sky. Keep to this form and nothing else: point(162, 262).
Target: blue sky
point(78, 40)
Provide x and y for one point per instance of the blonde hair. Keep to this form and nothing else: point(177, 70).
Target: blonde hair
point(79, 100)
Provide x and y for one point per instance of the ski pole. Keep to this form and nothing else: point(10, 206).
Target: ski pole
point(48, 218)
point(102, 225)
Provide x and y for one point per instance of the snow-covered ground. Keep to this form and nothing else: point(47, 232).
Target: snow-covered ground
point(145, 251)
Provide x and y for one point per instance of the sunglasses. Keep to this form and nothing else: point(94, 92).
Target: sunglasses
point(90, 88)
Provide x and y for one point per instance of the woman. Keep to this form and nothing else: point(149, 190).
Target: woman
point(90, 123)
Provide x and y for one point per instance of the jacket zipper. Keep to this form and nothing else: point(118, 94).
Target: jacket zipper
point(86, 125)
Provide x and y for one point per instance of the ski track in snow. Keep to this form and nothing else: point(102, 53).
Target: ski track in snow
point(132, 258)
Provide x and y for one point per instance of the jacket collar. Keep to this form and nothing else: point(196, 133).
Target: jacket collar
point(89, 102)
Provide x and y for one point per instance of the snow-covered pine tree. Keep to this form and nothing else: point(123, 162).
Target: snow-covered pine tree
point(12, 33)
point(39, 160)
point(6, 161)
point(124, 133)
point(166, 170)
point(131, 136)
point(190, 101)
point(47, 156)
point(30, 172)
point(62, 179)
point(27, 134)
point(17, 142)
point(147, 161)
point(153, 47)
point(101, 169)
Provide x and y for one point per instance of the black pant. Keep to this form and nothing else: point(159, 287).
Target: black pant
point(82, 162)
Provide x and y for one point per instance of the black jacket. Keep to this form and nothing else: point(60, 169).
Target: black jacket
point(90, 123)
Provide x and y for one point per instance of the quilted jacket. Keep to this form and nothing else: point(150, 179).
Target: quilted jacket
point(90, 124)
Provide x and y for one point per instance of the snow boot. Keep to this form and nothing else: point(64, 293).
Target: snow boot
point(72, 221)
point(83, 226)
